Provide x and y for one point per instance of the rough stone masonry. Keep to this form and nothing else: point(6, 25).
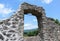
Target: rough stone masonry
point(12, 29)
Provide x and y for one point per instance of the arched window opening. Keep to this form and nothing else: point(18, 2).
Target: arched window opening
point(30, 25)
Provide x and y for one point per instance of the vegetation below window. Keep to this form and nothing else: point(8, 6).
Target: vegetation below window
point(33, 32)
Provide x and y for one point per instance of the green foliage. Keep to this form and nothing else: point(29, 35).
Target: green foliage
point(52, 19)
point(57, 21)
point(31, 33)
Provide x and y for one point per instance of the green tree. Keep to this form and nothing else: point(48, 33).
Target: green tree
point(57, 21)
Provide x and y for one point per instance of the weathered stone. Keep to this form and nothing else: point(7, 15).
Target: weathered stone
point(1, 37)
point(8, 35)
point(12, 29)
point(5, 27)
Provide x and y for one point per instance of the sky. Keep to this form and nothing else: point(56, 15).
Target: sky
point(8, 7)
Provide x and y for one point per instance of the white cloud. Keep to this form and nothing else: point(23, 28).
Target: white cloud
point(30, 26)
point(47, 1)
point(1, 6)
point(4, 10)
point(27, 25)
point(35, 20)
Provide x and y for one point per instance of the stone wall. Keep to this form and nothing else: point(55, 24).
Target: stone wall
point(12, 29)
point(53, 30)
point(32, 38)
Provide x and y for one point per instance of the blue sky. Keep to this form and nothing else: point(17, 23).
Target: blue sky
point(52, 9)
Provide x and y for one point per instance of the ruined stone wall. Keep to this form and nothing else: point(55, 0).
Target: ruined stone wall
point(53, 30)
point(12, 29)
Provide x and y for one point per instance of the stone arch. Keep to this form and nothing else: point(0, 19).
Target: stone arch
point(33, 12)
point(39, 12)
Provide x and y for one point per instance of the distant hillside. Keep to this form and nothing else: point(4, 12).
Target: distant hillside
point(30, 30)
